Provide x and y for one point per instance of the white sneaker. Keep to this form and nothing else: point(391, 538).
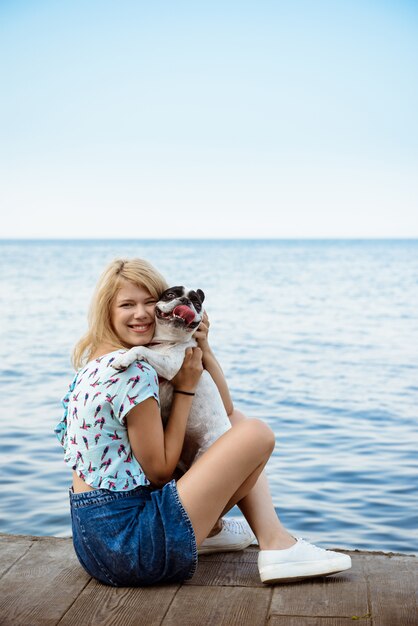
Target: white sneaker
point(303, 560)
point(235, 535)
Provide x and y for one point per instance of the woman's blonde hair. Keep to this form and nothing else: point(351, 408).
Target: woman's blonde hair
point(100, 329)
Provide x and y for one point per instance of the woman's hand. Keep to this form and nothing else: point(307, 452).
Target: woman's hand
point(190, 372)
point(201, 334)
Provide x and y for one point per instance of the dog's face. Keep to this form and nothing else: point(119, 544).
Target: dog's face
point(178, 313)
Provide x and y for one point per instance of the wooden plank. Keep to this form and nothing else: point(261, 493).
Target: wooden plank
point(232, 573)
point(393, 585)
point(12, 548)
point(249, 555)
point(127, 606)
point(317, 621)
point(42, 585)
point(340, 595)
point(220, 606)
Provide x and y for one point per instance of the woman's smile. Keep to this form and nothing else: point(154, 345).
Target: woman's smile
point(140, 328)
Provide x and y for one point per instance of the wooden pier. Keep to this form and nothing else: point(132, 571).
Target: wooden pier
point(42, 583)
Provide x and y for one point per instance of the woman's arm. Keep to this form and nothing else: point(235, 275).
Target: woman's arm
point(156, 449)
point(211, 364)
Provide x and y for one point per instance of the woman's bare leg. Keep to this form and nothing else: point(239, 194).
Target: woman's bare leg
point(258, 509)
point(225, 474)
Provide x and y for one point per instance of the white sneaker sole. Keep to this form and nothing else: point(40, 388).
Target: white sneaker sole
point(289, 572)
point(224, 548)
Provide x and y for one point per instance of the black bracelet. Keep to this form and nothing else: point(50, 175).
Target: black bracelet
point(186, 393)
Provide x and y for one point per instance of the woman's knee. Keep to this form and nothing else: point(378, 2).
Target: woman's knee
point(258, 431)
point(237, 417)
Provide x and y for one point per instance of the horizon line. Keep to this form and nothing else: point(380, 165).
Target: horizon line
point(226, 239)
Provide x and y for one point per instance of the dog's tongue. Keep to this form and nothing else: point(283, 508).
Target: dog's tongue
point(183, 311)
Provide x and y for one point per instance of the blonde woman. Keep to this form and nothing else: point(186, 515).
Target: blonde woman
point(133, 524)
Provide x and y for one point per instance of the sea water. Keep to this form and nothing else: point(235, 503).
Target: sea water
point(317, 338)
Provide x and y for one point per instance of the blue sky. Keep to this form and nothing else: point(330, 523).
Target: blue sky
point(209, 119)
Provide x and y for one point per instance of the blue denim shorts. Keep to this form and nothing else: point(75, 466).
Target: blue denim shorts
point(133, 538)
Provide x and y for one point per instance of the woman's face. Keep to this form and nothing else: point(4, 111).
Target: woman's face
point(133, 314)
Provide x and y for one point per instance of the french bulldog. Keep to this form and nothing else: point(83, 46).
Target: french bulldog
point(178, 313)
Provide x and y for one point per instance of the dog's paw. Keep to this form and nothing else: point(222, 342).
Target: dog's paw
point(123, 361)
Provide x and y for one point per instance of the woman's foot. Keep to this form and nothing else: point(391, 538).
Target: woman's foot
point(233, 535)
point(302, 560)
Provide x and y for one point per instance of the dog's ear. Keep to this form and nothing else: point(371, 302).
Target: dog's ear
point(200, 294)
